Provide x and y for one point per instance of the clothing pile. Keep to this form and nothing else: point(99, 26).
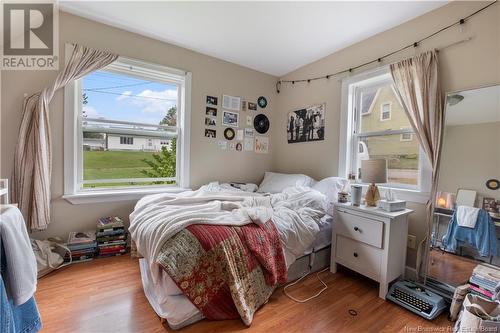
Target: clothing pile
point(483, 281)
point(111, 236)
point(82, 245)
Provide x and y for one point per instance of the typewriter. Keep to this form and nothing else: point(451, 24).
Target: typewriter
point(417, 299)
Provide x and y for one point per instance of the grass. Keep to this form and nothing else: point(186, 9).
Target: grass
point(114, 165)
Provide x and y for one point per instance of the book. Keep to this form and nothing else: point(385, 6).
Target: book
point(75, 247)
point(113, 243)
point(481, 291)
point(109, 222)
point(111, 232)
point(115, 249)
point(81, 237)
point(111, 238)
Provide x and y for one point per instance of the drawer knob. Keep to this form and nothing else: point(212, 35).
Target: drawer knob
point(357, 229)
point(355, 254)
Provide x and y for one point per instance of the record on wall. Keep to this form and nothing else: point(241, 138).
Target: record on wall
point(261, 123)
point(262, 101)
point(229, 133)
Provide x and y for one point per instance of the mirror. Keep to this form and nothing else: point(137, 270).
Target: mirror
point(470, 158)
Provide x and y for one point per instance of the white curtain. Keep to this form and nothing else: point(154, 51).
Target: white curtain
point(418, 86)
point(33, 157)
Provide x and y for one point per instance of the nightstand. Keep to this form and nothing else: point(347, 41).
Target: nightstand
point(370, 241)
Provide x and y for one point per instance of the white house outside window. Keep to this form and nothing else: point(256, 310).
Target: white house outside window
point(386, 134)
point(118, 119)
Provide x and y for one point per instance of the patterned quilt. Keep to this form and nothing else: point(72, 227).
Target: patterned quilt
point(226, 272)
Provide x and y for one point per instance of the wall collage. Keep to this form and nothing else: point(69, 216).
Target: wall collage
point(244, 123)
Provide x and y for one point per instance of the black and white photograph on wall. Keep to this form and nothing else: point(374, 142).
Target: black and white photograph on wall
point(229, 118)
point(307, 124)
point(209, 133)
point(211, 112)
point(212, 100)
point(252, 106)
point(210, 121)
point(243, 105)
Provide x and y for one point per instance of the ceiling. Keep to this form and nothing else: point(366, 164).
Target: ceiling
point(271, 37)
point(478, 106)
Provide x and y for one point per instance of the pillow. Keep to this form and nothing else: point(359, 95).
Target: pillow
point(330, 187)
point(276, 182)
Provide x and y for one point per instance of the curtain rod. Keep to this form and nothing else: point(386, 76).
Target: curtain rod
point(379, 59)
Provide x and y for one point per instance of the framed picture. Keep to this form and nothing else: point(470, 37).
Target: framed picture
point(252, 106)
point(261, 144)
point(210, 133)
point(249, 132)
point(210, 121)
point(212, 100)
point(230, 118)
point(243, 105)
point(306, 124)
point(232, 103)
point(490, 204)
point(211, 112)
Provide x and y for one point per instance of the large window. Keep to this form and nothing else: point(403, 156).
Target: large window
point(127, 128)
point(376, 127)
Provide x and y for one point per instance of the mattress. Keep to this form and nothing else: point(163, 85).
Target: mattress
point(168, 301)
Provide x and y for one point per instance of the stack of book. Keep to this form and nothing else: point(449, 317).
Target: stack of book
point(484, 280)
point(82, 246)
point(111, 236)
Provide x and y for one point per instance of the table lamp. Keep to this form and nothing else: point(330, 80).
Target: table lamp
point(373, 171)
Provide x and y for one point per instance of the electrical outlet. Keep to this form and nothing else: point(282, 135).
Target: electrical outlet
point(412, 242)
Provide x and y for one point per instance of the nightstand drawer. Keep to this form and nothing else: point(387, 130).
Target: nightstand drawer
point(360, 257)
point(365, 230)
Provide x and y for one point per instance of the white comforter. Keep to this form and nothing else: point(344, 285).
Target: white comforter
point(295, 212)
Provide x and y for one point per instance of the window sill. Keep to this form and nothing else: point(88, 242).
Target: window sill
point(117, 195)
point(403, 194)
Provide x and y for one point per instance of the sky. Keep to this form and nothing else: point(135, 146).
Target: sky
point(120, 97)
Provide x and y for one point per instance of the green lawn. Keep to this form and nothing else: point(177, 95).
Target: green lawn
point(114, 164)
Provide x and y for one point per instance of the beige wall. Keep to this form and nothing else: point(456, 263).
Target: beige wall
point(471, 64)
point(210, 76)
point(471, 156)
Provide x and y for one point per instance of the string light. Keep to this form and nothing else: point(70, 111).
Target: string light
point(460, 23)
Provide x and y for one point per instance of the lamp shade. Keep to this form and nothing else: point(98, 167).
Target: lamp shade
point(374, 171)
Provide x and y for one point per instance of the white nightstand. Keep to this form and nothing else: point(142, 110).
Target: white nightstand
point(370, 241)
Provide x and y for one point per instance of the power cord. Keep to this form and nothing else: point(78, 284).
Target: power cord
point(325, 287)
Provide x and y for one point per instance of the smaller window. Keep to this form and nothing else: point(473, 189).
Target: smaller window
point(385, 112)
point(406, 136)
point(126, 140)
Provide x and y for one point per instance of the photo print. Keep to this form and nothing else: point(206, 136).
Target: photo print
point(209, 121)
point(210, 133)
point(211, 112)
point(230, 118)
point(252, 106)
point(212, 100)
point(306, 124)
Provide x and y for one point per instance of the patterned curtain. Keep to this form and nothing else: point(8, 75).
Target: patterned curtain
point(33, 157)
point(417, 84)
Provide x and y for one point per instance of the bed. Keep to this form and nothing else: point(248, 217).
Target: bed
point(296, 205)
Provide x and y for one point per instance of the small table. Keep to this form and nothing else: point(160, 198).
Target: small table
point(370, 241)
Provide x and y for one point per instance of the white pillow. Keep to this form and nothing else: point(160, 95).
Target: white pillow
point(330, 187)
point(276, 182)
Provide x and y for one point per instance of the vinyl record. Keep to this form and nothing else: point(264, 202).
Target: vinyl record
point(261, 123)
point(262, 101)
point(229, 133)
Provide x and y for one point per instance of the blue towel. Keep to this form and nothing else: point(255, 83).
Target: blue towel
point(23, 318)
point(482, 237)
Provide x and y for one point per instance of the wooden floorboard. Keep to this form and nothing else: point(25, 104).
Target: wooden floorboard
point(105, 295)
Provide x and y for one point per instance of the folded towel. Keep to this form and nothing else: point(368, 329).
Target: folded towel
point(467, 216)
point(21, 270)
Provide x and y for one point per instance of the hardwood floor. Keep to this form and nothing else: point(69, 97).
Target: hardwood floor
point(106, 295)
point(450, 268)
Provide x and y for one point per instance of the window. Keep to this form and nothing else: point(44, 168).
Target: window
point(118, 120)
point(385, 111)
point(126, 140)
point(388, 135)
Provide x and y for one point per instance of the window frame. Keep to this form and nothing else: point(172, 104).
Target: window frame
point(348, 143)
point(73, 148)
point(382, 111)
